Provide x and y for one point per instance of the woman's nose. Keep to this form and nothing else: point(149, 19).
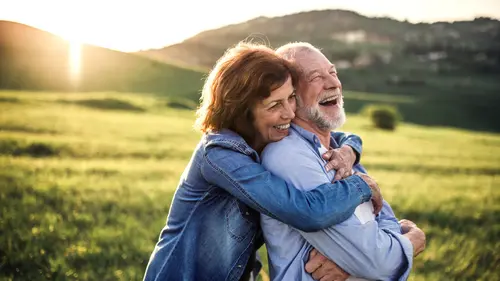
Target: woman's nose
point(288, 111)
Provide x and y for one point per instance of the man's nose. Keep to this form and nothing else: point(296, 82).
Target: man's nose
point(332, 82)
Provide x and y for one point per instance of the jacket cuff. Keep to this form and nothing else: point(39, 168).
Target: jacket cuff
point(364, 190)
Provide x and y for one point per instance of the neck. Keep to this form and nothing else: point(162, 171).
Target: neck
point(257, 145)
point(324, 136)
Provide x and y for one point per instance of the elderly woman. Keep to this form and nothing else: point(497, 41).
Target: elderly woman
point(212, 230)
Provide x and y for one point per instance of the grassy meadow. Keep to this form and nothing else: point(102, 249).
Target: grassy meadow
point(86, 180)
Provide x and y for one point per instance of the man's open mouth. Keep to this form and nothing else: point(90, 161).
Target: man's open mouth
point(329, 101)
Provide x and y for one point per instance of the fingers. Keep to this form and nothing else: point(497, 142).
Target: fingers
point(377, 207)
point(349, 173)
point(330, 271)
point(377, 203)
point(339, 174)
point(327, 155)
point(419, 250)
point(374, 203)
point(314, 262)
point(406, 225)
point(332, 165)
point(319, 273)
point(337, 160)
point(418, 240)
point(313, 253)
point(330, 277)
point(332, 156)
point(407, 222)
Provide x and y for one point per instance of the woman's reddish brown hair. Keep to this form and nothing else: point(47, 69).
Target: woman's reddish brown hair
point(244, 75)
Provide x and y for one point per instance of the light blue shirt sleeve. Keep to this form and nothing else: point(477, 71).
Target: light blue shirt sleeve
point(375, 250)
point(387, 219)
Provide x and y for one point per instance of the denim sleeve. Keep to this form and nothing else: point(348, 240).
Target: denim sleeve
point(241, 176)
point(351, 140)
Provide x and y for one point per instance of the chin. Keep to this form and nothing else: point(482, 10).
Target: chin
point(277, 139)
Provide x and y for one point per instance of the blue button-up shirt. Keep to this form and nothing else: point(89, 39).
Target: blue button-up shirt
point(364, 246)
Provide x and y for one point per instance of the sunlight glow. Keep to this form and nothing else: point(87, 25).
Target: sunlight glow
point(75, 54)
point(139, 26)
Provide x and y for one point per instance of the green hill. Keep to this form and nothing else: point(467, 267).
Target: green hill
point(33, 59)
point(449, 69)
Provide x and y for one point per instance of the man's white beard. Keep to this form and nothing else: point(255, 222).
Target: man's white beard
point(323, 122)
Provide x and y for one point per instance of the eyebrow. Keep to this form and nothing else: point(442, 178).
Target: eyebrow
point(278, 100)
point(310, 73)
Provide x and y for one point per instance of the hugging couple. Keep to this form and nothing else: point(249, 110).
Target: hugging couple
point(271, 168)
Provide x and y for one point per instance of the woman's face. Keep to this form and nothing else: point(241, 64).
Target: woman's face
point(272, 116)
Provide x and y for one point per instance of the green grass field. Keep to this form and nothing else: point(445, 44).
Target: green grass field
point(86, 182)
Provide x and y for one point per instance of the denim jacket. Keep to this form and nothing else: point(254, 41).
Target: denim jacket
point(213, 225)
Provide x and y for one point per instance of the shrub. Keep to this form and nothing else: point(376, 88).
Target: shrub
point(180, 103)
point(9, 100)
point(383, 116)
point(36, 149)
point(110, 103)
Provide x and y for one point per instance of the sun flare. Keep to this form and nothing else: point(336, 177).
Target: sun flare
point(75, 56)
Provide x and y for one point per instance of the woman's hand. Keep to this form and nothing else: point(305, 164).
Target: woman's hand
point(341, 160)
point(323, 269)
point(377, 199)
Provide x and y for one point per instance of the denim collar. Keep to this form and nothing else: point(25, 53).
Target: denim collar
point(231, 140)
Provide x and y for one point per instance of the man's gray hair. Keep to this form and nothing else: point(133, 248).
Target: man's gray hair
point(290, 51)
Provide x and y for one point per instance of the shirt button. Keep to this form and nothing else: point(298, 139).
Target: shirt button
point(247, 213)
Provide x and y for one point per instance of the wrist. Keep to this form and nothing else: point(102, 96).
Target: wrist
point(416, 236)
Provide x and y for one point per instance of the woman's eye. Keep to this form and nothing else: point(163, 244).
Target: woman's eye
point(292, 96)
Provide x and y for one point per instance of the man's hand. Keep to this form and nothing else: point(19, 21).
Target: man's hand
point(323, 269)
point(377, 199)
point(341, 160)
point(415, 234)
point(406, 225)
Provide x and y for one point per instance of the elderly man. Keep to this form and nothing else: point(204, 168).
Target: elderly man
point(364, 246)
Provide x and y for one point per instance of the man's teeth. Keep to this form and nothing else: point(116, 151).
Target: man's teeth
point(329, 99)
point(283, 127)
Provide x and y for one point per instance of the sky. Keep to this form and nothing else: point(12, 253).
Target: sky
point(132, 25)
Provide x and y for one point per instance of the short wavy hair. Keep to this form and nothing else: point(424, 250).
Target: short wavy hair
point(244, 75)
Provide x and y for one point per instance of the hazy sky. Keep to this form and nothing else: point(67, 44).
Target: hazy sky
point(130, 25)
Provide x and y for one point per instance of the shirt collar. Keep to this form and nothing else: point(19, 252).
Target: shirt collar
point(311, 137)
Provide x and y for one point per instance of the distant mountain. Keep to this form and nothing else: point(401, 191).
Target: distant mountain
point(347, 36)
point(32, 59)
